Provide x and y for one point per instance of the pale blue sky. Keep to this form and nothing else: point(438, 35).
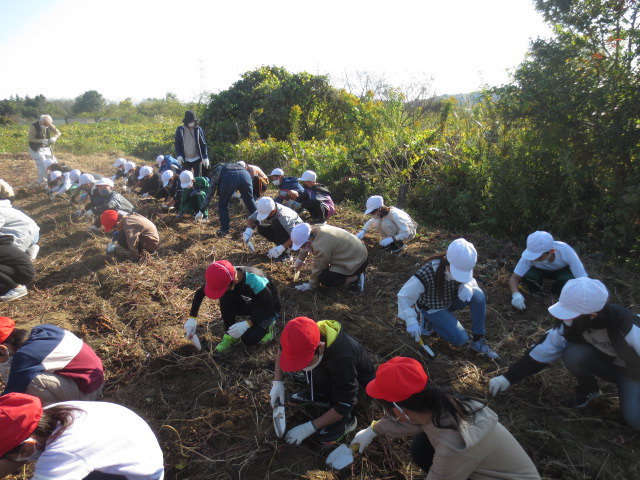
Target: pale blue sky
point(145, 48)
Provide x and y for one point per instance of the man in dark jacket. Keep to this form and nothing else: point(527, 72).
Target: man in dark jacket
point(336, 366)
point(595, 339)
point(190, 145)
point(16, 270)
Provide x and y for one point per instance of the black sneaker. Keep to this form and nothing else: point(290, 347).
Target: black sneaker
point(337, 431)
point(303, 397)
point(581, 399)
point(299, 377)
point(222, 233)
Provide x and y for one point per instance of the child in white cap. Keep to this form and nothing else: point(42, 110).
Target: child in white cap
point(315, 198)
point(442, 285)
point(544, 258)
point(275, 223)
point(394, 225)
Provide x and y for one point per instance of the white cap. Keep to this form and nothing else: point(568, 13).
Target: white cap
point(54, 175)
point(74, 175)
point(462, 258)
point(119, 162)
point(266, 205)
point(166, 176)
point(580, 296)
point(537, 244)
point(186, 177)
point(105, 181)
point(242, 164)
point(308, 176)
point(276, 171)
point(129, 166)
point(6, 189)
point(144, 171)
point(300, 234)
point(48, 162)
point(374, 203)
point(159, 159)
point(86, 178)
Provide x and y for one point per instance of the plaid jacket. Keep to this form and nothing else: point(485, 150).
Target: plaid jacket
point(430, 299)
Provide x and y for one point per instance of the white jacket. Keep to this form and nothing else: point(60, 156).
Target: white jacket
point(397, 224)
point(17, 224)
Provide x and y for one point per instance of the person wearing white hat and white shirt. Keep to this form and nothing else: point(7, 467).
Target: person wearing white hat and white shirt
point(149, 183)
point(285, 185)
point(316, 198)
point(42, 135)
point(544, 258)
point(275, 223)
point(595, 339)
point(14, 222)
point(441, 286)
point(171, 185)
point(119, 166)
point(394, 225)
point(60, 183)
point(339, 257)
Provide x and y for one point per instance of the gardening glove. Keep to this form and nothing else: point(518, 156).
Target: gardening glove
point(385, 242)
point(89, 214)
point(246, 236)
point(190, 327)
point(78, 214)
point(111, 246)
point(180, 160)
point(517, 300)
point(296, 206)
point(199, 216)
point(113, 177)
point(276, 251)
point(298, 434)
point(145, 195)
point(465, 292)
point(83, 197)
point(364, 437)
point(361, 234)
point(277, 393)
point(498, 384)
point(205, 162)
point(237, 329)
point(414, 330)
point(125, 188)
point(305, 287)
point(297, 265)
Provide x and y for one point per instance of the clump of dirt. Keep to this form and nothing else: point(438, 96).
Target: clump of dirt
point(212, 413)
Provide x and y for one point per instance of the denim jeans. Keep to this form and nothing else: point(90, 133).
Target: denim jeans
point(229, 183)
point(446, 325)
point(586, 363)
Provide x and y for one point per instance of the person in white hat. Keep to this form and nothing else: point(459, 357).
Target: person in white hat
point(173, 188)
point(595, 339)
point(194, 194)
point(167, 162)
point(275, 223)
point(339, 257)
point(14, 222)
point(42, 135)
point(149, 184)
point(544, 258)
point(285, 185)
point(106, 198)
point(441, 286)
point(59, 183)
point(394, 225)
point(316, 198)
point(119, 166)
point(131, 171)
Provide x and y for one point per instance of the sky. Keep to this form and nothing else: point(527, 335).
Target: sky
point(143, 48)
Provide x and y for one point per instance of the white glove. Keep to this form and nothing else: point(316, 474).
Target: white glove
point(125, 188)
point(145, 195)
point(517, 300)
point(298, 434)
point(386, 241)
point(199, 216)
point(276, 251)
point(89, 214)
point(277, 392)
point(113, 177)
point(111, 246)
point(498, 384)
point(180, 160)
point(205, 162)
point(305, 287)
point(237, 329)
point(363, 438)
point(246, 236)
point(297, 265)
point(361, 234)
point(465, 292)
point(414, 330)
point(236, 194)
point(190, 327)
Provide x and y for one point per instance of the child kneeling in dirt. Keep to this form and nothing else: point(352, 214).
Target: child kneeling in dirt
point(335, 365)
point(394, 225)
point(134, 232)
point(194, 193)
point(243, 291)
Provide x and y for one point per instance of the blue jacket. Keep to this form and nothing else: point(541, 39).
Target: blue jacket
point(170, 163)
point(287, 184)
point(179, 143)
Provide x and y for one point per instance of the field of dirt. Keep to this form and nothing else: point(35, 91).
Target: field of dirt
point(212, 414)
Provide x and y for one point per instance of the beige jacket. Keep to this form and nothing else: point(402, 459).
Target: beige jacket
point(139, 232)
point(335, 249)
point(482, 450)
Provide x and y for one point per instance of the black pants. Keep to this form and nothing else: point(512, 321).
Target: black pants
point(274, 233)
point(104, 476)
point(195, 167)
point(393, 246)
point(231, 305)
point(334, 279)
point(16, 268)
point(316, 209)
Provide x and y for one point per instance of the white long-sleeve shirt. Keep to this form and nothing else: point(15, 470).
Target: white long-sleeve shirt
point(397, 224)
point(564, 256)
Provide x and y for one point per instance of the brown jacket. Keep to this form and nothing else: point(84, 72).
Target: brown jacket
point(336, 249)
point(140, 234)
point(482, 450)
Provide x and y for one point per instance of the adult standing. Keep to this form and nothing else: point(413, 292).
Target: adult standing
point(190, 145)
point(42, 134)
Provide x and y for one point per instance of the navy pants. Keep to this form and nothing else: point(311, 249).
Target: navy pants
point(229, 183)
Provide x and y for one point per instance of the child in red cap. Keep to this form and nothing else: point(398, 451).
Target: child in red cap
point(244, 292)
point(134, 232)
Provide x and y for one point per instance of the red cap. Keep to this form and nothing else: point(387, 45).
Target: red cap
point(19, 417)
point(7, 326)
point(109, 219)
point(299, 340)
point(398, 379)
point(218, 277)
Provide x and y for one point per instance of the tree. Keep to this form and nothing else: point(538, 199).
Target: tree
point(89, 102)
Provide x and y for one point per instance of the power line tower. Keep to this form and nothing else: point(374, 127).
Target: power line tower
point(202, 78)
